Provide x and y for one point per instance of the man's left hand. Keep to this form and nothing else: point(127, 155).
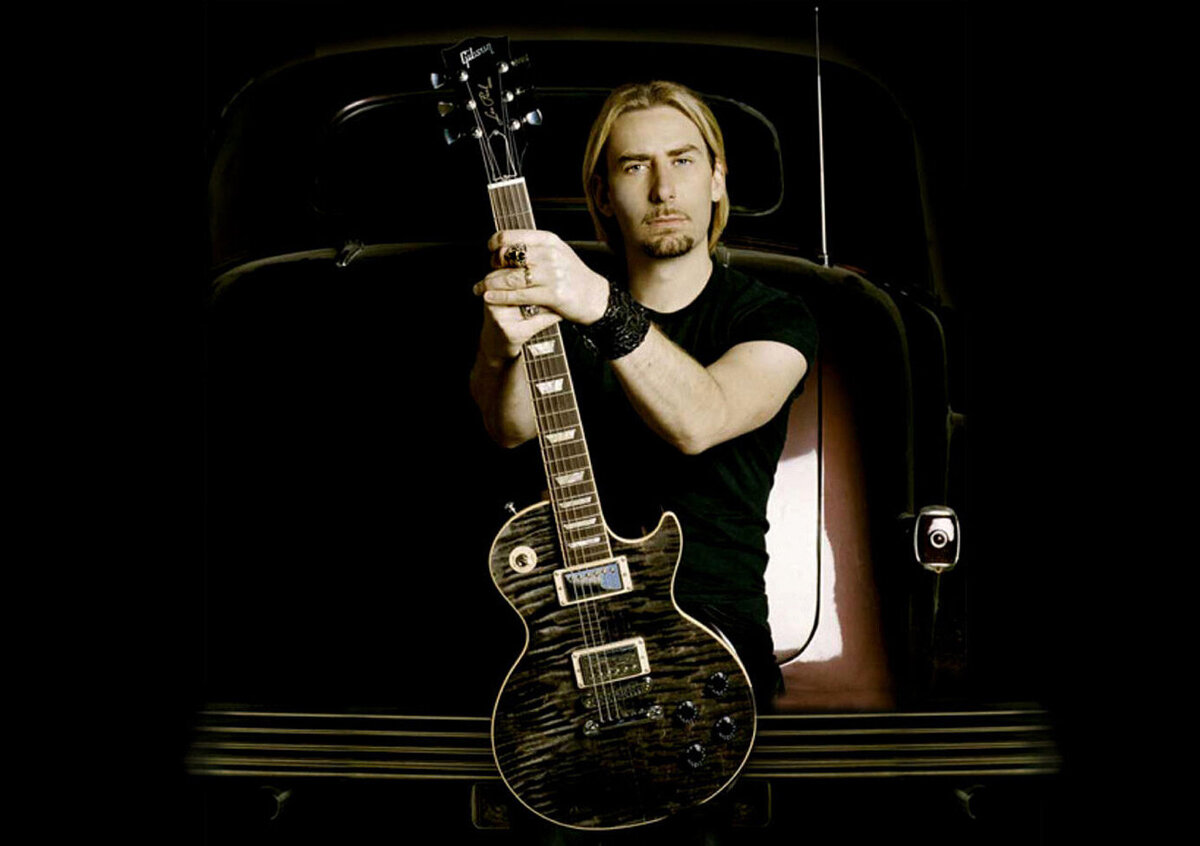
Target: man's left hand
point(552, 276)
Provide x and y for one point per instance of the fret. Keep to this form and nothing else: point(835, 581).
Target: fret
point(564, 443)
point(571, 421)
point(561, 435)
point(566, 454)
point(552, 399)
point(577, 502)
point(550, 386)
point(580, 524)
point(580, 544)
point(573, 454)
point(554, 420)
point(550, 364)
point(558, 419)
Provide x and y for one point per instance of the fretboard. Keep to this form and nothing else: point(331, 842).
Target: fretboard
point(569, 478)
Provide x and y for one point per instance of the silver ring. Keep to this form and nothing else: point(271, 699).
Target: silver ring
point(528, 276)
point(530, 310)
point(514, 256)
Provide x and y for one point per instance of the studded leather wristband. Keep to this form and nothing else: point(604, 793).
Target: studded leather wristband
point(622, 327)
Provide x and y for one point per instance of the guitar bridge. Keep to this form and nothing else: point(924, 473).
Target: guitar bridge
point(620, 705)
point(593, 581)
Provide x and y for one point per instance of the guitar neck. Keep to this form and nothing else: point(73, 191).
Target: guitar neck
point(564, 450)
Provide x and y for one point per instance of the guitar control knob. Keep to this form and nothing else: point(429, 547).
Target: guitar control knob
point(685, 713)
point(717, 684)
point(693, 756)
point(591, 728)
point(725, 728)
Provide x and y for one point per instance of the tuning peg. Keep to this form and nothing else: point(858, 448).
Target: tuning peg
point(445, 108)
point(437, 80)
point(452, 135)
point(533, 118)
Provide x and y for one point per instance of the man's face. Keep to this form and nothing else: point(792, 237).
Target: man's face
point(660, 185)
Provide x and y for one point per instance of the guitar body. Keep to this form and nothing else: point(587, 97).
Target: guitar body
point(613, 755)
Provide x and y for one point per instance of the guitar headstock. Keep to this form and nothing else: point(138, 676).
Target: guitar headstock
point(489, 98)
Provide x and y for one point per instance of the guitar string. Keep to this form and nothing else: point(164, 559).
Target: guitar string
point(489, 158)
point(566, 405)
point(592, 617)
point(536, 370)
point(559, 463)
point(595, 660)
point(507, 137)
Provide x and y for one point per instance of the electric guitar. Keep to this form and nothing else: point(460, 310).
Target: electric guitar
point(621, 709)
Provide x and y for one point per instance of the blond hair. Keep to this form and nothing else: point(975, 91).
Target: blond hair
point(636, 96)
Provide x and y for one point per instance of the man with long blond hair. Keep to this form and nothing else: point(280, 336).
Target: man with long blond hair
point(684, 369)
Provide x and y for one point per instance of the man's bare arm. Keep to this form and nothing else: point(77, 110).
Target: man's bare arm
point(498, 383)
point(499, 389)
point(695, 407)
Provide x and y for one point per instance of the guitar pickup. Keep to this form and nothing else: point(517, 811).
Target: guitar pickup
point(594, 581)
point(612, 662)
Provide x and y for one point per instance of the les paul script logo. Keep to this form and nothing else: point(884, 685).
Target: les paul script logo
point(486, 101)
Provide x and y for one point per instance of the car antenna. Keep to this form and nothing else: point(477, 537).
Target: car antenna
point(824, 255)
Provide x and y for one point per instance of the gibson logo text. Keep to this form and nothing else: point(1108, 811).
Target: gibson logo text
point(467, 56)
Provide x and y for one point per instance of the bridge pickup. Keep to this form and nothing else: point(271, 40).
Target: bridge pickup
point(593, 581)
point(612, 662)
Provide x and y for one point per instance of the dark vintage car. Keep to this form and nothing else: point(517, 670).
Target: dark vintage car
point(353, 641)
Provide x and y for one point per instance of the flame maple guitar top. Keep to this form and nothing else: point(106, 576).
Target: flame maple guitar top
point(614, 755)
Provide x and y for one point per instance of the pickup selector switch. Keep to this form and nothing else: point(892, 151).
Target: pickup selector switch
point(694, 755)
point(725, 728)
point(685, 713)
point(717, 685)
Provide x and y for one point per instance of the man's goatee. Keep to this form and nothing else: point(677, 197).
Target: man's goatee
point(668, 246)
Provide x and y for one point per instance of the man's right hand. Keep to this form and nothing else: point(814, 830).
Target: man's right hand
point(549, 275)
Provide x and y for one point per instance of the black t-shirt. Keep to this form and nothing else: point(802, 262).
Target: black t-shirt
point(720, 495)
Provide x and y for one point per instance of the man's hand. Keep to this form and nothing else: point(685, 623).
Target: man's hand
point(552, 277)
point(506, 329)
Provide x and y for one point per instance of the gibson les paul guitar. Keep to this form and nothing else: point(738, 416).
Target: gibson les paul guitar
point(621, 709)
